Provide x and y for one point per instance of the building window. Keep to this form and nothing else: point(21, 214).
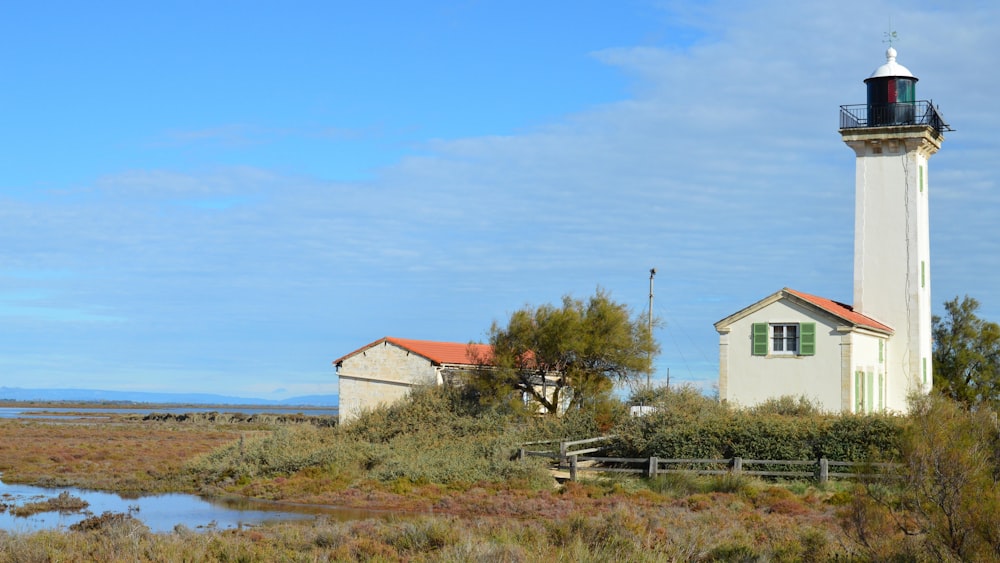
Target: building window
point(784, 338)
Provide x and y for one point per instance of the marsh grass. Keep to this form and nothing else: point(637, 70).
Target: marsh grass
point(64, 503)
point(451, 466)
point(123, 456)
point(433, 438)
point(684, 483)
point(619, 533)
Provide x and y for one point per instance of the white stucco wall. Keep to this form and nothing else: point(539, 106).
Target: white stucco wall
point(847, 366)
point(868, 385)
point(749, 380)
point(892, 278)
point(381, 375)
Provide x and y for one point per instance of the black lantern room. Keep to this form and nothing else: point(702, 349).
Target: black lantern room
point(891, 94)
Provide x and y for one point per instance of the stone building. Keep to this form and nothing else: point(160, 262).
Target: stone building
point(385, 370)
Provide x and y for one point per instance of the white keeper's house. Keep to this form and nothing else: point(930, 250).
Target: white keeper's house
point(869, 356)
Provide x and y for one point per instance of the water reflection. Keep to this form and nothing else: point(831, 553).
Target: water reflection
point(161, 513)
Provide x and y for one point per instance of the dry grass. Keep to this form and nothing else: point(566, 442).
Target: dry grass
point(611, 529)
point(121, 455)
point(590, 521)
point(64, 503)
point(391, 461)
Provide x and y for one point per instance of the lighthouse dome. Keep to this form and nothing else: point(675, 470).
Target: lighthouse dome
point(891, 68)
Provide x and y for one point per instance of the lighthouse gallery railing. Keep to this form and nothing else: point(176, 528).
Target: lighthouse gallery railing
point(886, 115)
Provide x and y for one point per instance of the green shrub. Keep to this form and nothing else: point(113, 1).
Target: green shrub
point(739, 552)
point(676, 483)
point(729, 483)
point(432, 437)
point(423, 535)
point(950, 478)
point(853, 437)
point(684, 425)
point(942, 503)
point(816, 545)
point(769, 436)
point(787, 405)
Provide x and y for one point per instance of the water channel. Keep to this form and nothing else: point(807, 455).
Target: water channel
point(161, 513)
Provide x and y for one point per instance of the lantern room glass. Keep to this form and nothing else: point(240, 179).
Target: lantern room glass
point(891, 101)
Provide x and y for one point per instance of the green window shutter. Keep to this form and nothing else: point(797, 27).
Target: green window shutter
point(859, 400)
point(807, 339)
point(881, 351)
point(759, 339)
point(881, 386)
point(870, 388)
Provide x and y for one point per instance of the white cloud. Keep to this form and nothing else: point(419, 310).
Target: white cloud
point(723, 169)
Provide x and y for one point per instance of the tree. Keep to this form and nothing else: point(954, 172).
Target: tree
point(944, 494)
point(967, 355)
point(574, 353)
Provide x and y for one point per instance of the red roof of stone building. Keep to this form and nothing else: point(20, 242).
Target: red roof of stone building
point(845, 312)
point(437, 352)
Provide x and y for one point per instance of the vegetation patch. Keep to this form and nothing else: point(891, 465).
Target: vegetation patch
point(126, 456)
point(107, 521)
point(64, 503)
point(452, 463)
point(684, 424)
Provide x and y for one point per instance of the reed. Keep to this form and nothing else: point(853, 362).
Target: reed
point(121, 455)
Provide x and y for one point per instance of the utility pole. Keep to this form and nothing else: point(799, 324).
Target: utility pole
point(649, 328)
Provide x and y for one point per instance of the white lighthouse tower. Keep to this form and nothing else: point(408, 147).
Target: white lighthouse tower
point(893, 137)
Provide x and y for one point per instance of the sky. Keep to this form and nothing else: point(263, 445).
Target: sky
point(224, 197)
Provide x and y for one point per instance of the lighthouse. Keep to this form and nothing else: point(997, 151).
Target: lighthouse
point(893, 137)
point(872, 355)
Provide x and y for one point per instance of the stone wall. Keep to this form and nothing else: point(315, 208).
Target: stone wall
point(380, 375)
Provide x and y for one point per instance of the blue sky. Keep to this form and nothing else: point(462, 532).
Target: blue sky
point(224, 197)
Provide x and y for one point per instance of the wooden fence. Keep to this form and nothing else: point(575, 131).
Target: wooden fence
point(820, 469)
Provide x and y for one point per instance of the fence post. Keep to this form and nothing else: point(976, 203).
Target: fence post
point(737, 465)
point(562, 451)
point(824, 470)
point(520, 454)
point(572, 468)
point(653, 467)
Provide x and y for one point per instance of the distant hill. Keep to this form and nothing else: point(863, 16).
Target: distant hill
point(95, 395)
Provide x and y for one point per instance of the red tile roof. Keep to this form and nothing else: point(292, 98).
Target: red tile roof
point(841, 310)
point(436, 352)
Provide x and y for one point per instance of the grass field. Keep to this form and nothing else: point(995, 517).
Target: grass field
point(448, 475)
point(490, 521)
point(115, 454)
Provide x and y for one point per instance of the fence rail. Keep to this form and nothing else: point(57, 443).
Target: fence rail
point(576, 461)
point(921, 112)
